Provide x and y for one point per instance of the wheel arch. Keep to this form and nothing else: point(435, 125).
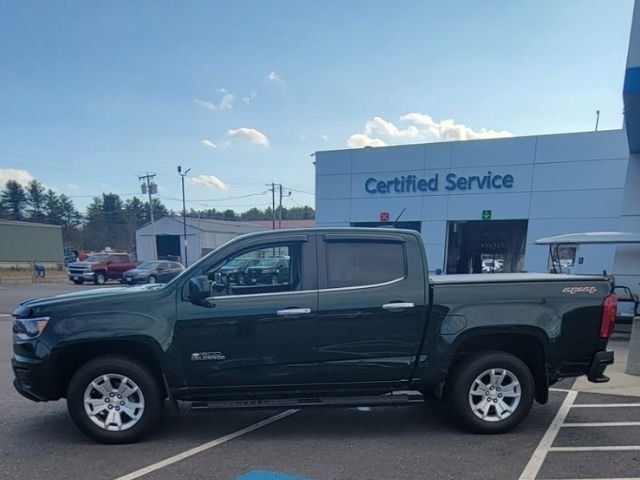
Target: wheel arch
point(70, 358)
point(528, 347)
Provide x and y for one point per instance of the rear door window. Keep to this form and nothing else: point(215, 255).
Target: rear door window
point(362, 263)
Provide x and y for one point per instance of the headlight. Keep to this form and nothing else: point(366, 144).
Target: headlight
point(87, 269)
point(27, 328)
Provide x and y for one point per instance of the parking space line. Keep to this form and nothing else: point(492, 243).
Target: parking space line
point(535, 462)
point(603, 424)
point(205, 446)
point(603, 448)
point(606, 405)
point(617, 478)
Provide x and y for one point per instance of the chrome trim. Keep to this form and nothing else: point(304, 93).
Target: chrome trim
point(360, 287)
point(398, 305)
point(293, 292)
point(293, 311)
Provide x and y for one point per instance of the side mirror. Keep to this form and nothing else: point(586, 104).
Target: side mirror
point(199, 290)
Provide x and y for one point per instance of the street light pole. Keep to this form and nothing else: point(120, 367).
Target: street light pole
point(184, 213)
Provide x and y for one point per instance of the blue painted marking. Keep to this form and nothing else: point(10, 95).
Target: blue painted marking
point(263, 475)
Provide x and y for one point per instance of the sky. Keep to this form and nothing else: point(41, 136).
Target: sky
point(94, 94)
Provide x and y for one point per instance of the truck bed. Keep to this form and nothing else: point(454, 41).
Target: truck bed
point(510, 277)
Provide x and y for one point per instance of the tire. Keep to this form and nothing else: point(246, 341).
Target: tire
point(497, 411)
point(78, 282)
point(100, 278)
point(152, 279)
point(144, 403)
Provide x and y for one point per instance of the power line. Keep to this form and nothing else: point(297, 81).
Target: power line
point(299, 191)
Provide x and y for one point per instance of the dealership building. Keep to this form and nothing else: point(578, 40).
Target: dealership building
point(480, 205)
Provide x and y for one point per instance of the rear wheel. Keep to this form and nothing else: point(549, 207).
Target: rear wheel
point(100, 278)
point(491, 392)
point(114, 399)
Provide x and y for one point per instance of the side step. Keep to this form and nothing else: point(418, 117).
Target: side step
point(359, 401)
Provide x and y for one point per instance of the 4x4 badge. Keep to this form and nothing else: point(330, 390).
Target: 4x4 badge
point(573, 290)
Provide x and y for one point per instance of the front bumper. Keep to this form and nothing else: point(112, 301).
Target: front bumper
point(601, 360)
point(81, 275)
point(33, 379)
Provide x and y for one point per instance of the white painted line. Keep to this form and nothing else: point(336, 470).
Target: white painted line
point(605, 405)
point(205, 446)
point(602, 424)
point(530, 472)
point(563, 390)
point(617, 478)
point(3, 315)
point(621, 448)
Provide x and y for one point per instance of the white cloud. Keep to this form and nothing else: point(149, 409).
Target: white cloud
point(250, 98)
point(205, 104)
point(324, 137)
point(21, 176)
point(208, 181)
point(422, 128)
point(448, 129)
point(275, 79)
point(249, 134)
point(73, 186)
point(359, 140)
point(208, 143)
point(226, 103)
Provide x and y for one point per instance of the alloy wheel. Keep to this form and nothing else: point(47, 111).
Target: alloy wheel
point(114, 402)
point(495, 395)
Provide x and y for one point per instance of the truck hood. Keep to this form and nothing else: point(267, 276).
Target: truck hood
point(94, 293)
point(81, 264)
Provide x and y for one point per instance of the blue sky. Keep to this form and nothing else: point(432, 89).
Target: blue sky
point(93, 94)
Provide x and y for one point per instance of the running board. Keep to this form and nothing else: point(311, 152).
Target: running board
point(361, 401)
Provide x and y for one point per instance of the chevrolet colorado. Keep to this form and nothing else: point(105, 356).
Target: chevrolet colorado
point(357, 321)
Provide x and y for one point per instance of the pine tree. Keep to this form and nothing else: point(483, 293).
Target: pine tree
point(14, 200)
point(36, 199)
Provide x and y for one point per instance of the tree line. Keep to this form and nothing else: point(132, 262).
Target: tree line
point(108, 220)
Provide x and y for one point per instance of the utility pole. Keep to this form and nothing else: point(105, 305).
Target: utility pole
point(597, 119)
point(149, 188)
point(280, 205)
point(184, 213)
point(273, 206)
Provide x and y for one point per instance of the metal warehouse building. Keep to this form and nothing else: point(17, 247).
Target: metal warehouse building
point(22, 242)
point(481, 205)
point(203, 235)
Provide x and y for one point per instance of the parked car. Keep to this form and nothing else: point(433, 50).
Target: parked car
point(153, 271)
point(357, 320)
point(233, 272)
point(100, 268)
point(269, 270)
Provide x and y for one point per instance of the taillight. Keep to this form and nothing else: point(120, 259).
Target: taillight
point(609, 313)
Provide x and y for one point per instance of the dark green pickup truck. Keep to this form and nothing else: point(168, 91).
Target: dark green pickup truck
point(356, 320)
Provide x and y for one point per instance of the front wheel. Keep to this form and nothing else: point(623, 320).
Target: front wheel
point(100, 278)
point(78, 281)
point(153, 279)
point(114, 399)
point(490, 392)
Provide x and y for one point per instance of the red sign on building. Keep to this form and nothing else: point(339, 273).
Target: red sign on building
point(384, 216)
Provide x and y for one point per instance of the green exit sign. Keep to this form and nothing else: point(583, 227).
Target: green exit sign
point(486, 214)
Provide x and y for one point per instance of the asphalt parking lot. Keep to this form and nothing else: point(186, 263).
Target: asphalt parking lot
point(576, 436)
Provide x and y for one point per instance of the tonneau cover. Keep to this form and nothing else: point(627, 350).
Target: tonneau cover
point(511, 277)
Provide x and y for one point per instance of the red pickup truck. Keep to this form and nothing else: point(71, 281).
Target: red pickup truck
point(100, 267)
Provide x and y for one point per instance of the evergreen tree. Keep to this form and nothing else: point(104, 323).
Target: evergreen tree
point(14, 200)
point(36, 199)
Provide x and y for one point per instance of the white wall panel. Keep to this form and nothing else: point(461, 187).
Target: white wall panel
point(582, 146)
point(333, 186)
point(434, 207)
point(388, 159)
point(504, 151)
point(502, 205)
point(582, 204)
point(329, 163)
point(329, 210)
point(596, 174)
point(368, 209)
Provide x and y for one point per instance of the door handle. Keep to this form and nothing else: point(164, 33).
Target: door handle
point(293, 311)
point(398, 305)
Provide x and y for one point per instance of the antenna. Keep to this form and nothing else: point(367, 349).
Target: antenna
point(597, 119)
point(398, 217)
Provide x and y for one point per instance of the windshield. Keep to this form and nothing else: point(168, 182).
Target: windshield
point(147, 266)
point(97, 257)
point(268, 262)
point(237, 262)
